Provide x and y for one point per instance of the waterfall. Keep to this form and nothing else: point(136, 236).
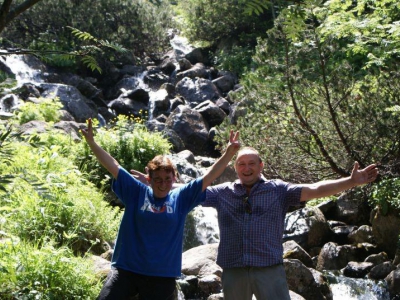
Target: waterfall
point(207, 229)
point(181, 44)
point(23, 72)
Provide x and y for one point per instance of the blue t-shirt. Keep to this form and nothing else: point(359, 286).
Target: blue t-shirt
point(150, 235)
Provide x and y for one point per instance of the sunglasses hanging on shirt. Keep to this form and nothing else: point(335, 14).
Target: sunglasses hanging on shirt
point(247, 206)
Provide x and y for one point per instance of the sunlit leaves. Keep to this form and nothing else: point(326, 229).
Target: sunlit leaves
point(369, 28)
point(320, 88)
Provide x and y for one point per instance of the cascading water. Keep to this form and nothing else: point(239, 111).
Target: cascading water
point(347, 288)
point(207, 229)
point(23, 72)
point(181, 44)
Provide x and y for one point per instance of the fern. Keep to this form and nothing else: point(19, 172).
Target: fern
point(256, 6)
point(6, 153)
point(91, 63)
point(82, 35)
point(113, 46)
point(94, 45)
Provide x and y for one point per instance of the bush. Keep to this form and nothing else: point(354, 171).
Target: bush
point(129, 142)
point(237, 60)
point(385, 194)
point(60, 204)
point(309, 111)
point(138, 25)
point(33, 272)
point(46, 110)
point(214, 21)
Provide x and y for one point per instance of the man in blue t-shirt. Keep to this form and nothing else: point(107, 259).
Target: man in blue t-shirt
point(148, 251)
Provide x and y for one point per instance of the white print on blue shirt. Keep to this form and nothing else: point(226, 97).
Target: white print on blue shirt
point(148, 206)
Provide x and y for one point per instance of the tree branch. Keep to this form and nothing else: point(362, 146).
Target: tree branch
point(7, 14)
point(335, 167)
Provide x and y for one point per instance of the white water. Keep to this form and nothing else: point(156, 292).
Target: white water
point(181, 43)
point(23, 72)
point(207, 229)
point(346, 288)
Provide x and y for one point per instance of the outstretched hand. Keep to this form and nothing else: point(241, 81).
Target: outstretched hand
point(234, 144)
point(88, 132)
point(366, 175)
point(139, 176)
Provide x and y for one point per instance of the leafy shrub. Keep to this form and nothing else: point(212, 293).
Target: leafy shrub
point(129, 142)
point(309, 111)
point(213, 21)
point(138, 25)
point(237, 60)
point(46, 110)
point(385, 194)
point(46, 272)
point(60, 204)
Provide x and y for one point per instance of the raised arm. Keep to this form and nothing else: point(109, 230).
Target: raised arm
point(327, 188)
point(214, 171)
point(102, 156)
point(219, 166)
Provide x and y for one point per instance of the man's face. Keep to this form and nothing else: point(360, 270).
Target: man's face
point(248, 168)
point(161, 182)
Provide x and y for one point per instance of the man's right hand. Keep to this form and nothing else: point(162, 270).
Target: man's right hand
point(143, 178)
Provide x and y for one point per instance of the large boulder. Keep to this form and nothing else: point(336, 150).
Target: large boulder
point(191, 128)
point(386, 230)
point(301, 280)
point(307, 227)
point(194, 259)
point(80, 107)
point(197, 90)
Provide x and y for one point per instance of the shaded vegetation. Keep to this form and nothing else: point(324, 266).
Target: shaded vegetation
point(139, 26)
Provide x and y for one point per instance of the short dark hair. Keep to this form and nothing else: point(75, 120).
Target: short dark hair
point(161, 162)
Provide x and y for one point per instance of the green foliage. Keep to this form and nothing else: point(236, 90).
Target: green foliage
point(129, 142)
point(6, 153)
point(256, 6)
point(385, 194)
point(7, 81)
point(312, 111)
point(216, 21)
point(369, 30)
point(394, 109)
point(46, 110)
point(62, 206)
point(137, 25)
point(237, 60)
point(32, 272)
point(94, 46)
point(48, 214)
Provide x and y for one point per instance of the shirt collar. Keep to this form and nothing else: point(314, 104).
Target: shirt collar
point(238, 185)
